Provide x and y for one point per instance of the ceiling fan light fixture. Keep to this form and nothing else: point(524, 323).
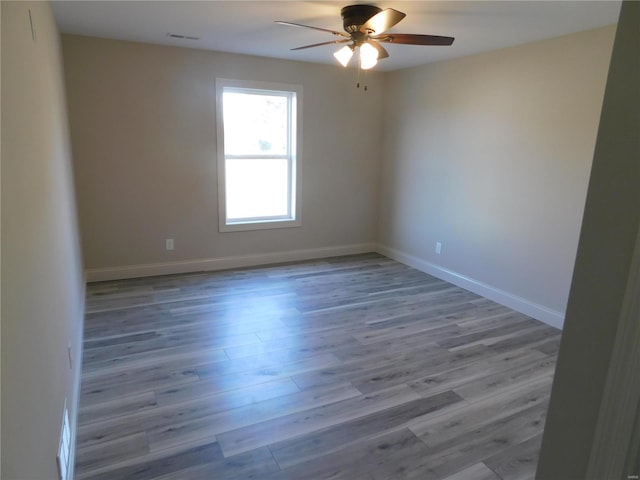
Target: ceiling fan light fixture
point(368, 56)
point(365, 27)
point(344, 55)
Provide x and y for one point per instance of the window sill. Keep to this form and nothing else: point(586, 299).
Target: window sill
point(253, 225)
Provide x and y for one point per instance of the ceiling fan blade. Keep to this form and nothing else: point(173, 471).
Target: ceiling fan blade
point(411, 39)
point(382, 53)
point(382, 21)
point(291, 24)
point(346, 40)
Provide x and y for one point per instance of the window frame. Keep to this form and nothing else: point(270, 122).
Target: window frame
point(294, 94)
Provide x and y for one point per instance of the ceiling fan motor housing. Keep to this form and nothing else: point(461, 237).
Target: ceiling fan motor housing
point(354, 16)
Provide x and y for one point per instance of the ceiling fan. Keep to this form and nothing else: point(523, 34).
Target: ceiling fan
point(366, 26)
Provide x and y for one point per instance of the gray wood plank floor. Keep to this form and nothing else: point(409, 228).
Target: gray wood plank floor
point(353, 368)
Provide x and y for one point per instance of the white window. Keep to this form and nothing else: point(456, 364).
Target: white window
point(258, 155)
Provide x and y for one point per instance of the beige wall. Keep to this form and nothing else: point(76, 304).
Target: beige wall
point(42, 283)
point(490, 155)
point(610, 228)
point(144, 140)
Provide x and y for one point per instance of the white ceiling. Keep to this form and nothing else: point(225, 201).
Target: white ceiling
point(248, 27)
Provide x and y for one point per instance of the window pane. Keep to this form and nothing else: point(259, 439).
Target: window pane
point(255, 124)
point(256, 188)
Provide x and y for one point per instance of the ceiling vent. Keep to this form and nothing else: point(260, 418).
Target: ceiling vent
point(182, 37)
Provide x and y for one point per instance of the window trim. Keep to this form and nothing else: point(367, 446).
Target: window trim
point(295, 143)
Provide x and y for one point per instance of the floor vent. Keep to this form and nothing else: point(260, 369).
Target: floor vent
point(64, 450)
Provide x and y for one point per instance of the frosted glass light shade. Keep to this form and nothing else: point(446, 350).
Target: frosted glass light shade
point(368, 56)
point(344, 55)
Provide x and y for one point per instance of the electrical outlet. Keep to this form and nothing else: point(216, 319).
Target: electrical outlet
point(438, 248)
point(169, 243)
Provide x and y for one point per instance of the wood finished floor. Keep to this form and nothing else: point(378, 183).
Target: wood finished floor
point(355, 368)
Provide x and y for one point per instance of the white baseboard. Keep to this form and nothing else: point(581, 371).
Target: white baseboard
point(222, 263)
point(522, 305)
